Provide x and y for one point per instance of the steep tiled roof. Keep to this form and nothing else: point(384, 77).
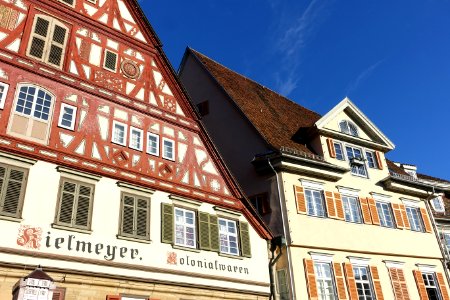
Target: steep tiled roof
point(431, 178)
point(279, 120)
point(394, 168)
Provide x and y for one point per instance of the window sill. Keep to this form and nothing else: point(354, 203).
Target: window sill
point(231, 256)
point(132, 239)
point(68, 228)
point(186, 248)
point(12, 219)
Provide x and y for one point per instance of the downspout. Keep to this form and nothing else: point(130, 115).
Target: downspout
point(436, 233)
point(272, 263)
point(288, 240)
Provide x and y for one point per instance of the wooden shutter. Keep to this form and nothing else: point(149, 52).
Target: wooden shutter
point(340, 282)
point(128, 215)
point(351, 283)
point(331, 208)
point(442, 286)
point(214, 233)
point(203, 231)
point(59, 294)
point(339, 206)
point(399, 285)
point(376, 283)
point(406, 224)
point(373, 211)
point(67, 200)
point(82, 216)
point(365, 210)
point(110, 61)
point(420, 285)
point(398, 215)
point(166, 223)
point(57, 44)
point(425, 219)
point(245, 239)
point(310, 279)
point(379, 161)
point(39, 37)
point(300, 199)
point(142, 218)
point(13, 188)
point(331, 149)
point(112, 297)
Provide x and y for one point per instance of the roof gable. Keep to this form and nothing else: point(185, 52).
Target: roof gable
point(279, 121)
point(346, 110)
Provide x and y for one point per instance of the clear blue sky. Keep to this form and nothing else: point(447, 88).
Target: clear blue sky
point(391, 58)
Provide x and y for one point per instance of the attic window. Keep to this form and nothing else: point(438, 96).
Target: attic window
point(69, 2)
point(348, 128)
point(438, 204)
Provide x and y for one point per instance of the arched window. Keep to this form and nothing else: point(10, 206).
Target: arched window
point(348, 128)
point(32, 113)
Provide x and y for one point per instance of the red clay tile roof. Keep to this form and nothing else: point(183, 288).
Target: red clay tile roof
point(394, 168)
point(427, 177)
point(275, 117)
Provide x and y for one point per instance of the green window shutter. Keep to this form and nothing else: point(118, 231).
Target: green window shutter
point(142, 221)
point(67, 202)
point(203, 231)
point(214, 233)
point(245, 239)
point(128, 215)
point(12, 191)
point(167, 223)
point(84, 201)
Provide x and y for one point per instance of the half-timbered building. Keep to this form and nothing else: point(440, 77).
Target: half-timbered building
point(354, 228)
point(107, 179)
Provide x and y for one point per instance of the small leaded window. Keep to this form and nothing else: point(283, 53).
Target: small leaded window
point(67, 116)
point(119, 134)
point(3, 92)
point(136, 138)
point(168, 149)
point(185, 232)
point(152, 144)
point(348, 128)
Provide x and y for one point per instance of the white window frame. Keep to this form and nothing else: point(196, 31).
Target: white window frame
point(125, 131)
point(226, 236)
point(373, 157)
point(366, 175)
point(362, 281)
point(327, 280)
point(426, 282)
point(61, 115)
point(315, 211)
point(353, 218)
point(141, 135)
point(4, 93)
point(164, 140)
point(104, 60)
point(156, 153)
point(415, 224)
point(342, 150)
point(382, 214)
point(182, 223)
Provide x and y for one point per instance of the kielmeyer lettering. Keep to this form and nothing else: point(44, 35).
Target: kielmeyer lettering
point(70, 243)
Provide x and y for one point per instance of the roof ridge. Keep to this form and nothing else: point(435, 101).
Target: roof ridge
point(252, 80)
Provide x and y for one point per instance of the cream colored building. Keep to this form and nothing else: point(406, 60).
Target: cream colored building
point(354, 228)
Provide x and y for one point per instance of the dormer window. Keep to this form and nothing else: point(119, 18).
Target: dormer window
point(348, 127)
point(438, 204)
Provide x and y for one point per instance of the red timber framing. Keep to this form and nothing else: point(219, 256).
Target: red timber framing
point(170, 114)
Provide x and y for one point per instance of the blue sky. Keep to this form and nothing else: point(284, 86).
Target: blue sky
point(391, 58)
